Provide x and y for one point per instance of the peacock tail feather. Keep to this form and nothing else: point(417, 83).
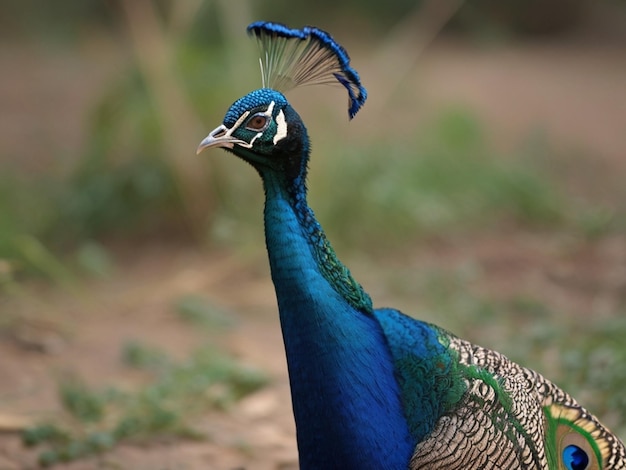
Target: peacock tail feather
point(374, 388)
point(512, 417)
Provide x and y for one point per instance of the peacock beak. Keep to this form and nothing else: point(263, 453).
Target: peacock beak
point(219, 137)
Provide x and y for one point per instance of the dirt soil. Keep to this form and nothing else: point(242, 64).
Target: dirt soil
point(573, 91)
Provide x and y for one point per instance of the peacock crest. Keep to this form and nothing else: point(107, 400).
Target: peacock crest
point(307, 56)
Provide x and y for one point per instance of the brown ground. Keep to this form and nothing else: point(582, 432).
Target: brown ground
point(574, 91)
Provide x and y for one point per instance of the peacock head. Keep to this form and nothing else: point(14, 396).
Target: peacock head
point(261, 128)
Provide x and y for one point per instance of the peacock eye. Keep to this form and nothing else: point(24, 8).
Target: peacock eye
point(258, 122)
point(575, 458)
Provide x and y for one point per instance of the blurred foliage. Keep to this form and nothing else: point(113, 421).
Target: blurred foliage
point(62, 20)
point(71, 17)
point(26, 212)
point(441, 178)
point(97, 420)
point(200, 311)
point(125, 182)
point(128, 179)
point(94, 259)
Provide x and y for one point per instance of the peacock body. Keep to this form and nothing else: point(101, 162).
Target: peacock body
point(374, 388)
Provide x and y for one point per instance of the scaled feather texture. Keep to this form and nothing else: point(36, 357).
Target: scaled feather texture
point(374, 388)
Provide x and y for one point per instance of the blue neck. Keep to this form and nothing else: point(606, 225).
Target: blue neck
point(346, 401)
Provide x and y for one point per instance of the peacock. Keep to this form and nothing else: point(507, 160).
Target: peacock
point(371, 387)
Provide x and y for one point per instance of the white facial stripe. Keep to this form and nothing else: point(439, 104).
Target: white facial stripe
point(270, 109)
point(237, 124)
point(255, 138)
point(281, 127)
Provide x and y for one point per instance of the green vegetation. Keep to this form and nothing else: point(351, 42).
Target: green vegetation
point(199, 311)
point(137, 175)
point(96, 420)
point(443, 179)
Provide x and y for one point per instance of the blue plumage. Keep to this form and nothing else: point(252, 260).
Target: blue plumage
point(345, 417)
point(373, 388)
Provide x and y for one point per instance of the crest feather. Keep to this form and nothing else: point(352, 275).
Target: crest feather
point(307, 56)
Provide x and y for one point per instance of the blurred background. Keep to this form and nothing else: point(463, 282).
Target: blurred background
point(480, 188)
